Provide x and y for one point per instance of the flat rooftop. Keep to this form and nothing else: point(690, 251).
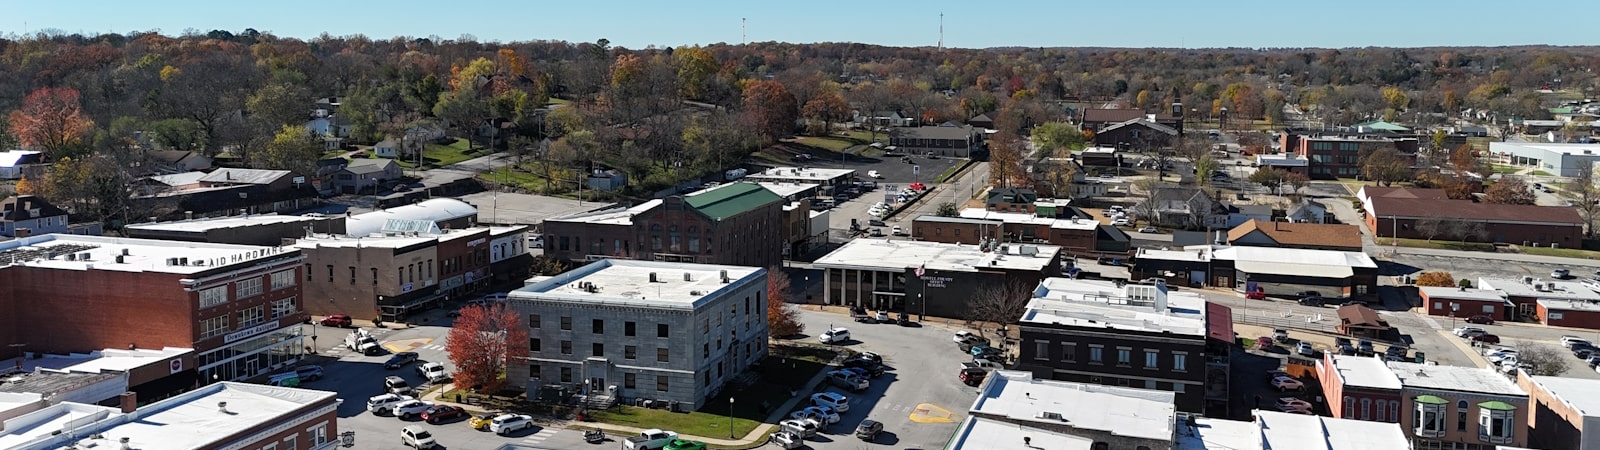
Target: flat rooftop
point(611, 216)
point(978, 433)
point(1295, 261)
point(508, 208)
point(1581, 394)
point(1454, 378)
point(192, 419)
point(1026, 218)
point(1539, 288)
point(43, 425)
point(1138, 413)
point(1366, 372)
point(1101, 304)
point(884, 254)
point(219, 223)
point(810, 174)
point(1482, 295)
point(108, 360)
point(51, 251)
point(628, 283)
point(337, 241)
point(1568, 149)
point(47, 381)
point(1568, 305)
point(1284, 430)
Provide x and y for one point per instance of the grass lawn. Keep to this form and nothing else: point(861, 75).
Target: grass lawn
point(1439, 244)
point(782, 373)
point(1504, 169)
point(695, 423)
point(514, 177)
point(443, 155)
point(557, 101)
point(943, 177)
point(1541, 173)
point(1561, 252)
point(492, 403)
point(830, 143)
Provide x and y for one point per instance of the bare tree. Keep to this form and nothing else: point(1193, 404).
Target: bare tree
point(1002, 305)
point(1588, 195)
point(1429, 227)
point(1542, 360)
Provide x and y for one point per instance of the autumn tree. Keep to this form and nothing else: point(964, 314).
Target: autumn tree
point(1052, 136)
point(1385, 166)
point(1296, 181)
point(50, 120)
point(1269, 178)
point(1005, 161)
point(827, 108)
point(1509, 190)
point(1438, 279)
point(770, 109)
point(482, 343)
point(292, 148)
point(783, 319)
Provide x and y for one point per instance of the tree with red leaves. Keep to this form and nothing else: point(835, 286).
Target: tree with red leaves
point(50, 120)
point(483, 340)
point(771, 109)
point(783, 319)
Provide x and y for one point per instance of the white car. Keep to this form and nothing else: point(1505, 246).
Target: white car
point(836, 401)
point(1570, 341)
point(384, 403)
point(415, 437)
point(874, 174)
point(410, 408)
point(823, 414)
point(897, 231)
point(787, 440)
point(1290, 403)
point(1287, 384)
point(1472, 331)
point(433, 372)
point(1122, 222)
point(507, 423)
point(963, 336)
point(834, 336)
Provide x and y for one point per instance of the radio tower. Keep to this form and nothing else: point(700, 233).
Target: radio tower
point(941, 32)
point(741, 31)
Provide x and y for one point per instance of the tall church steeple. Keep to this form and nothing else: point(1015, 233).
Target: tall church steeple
point(1177, 109)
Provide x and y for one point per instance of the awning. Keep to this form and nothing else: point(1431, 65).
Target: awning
point(1432, 400)
point(1305, 270)
point(1219, 322)
point(1498, 406)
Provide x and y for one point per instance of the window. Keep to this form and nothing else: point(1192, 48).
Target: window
point(1069, 352)
point(1427, 419)
point(533, 321)
point(1177, 387)
point(319, 434)
point(1180, 361)
point(270, 446)
point(599, 350)
point(533, 370)
point(330, 273)
point(292, 442)
point(661, 354)
point(283, 307)
point(661, 383)
point(1383, 407)
point(1461, 415)
point(1349, 405)
point(566, 347)
point(1124, 356)
point(661, 330)
point(352, 274)
point(213, 297)
point(705, 350)
point(1096, 354)
point(627, 380)
point(1041, 350)
point(1496, 423)
point(374, 276)
point(283, 279)
point(1488, 309)
point(599, 326)
point(630, 352)
point(251, 316)
point(566, 323)
point(566, 374)
point(627, 329)
point(535, 345)
point(308, 272)
point(1366, 409)
point(1150, 357)
point(213, 326)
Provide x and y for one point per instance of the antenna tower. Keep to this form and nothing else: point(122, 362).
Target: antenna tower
point(941, 31)
point(742, 38)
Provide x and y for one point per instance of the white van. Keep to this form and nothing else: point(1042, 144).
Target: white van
point(834, 336)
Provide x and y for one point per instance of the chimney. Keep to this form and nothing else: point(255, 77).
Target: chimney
point(129, 401)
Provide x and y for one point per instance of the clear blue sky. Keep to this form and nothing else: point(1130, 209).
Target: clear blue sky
point(969, 24)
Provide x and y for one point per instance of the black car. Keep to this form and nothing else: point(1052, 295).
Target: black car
point(868, 430)
point(1311, 301)
point(870, 356)
point(876, 223)
point(872, 368)
point(400, 360)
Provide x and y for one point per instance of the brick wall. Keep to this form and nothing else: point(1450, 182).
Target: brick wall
point(63, 311)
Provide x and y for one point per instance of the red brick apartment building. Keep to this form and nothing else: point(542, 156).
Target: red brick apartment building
point(238, 306)
point(1359, 388)
point(1335, 155)
point(738, 224)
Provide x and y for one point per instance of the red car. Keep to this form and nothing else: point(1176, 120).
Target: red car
point(1481, 320)
point(1256, 295)
point(336, 320)
point(443, 413)
point(1265, 342)
point(1486, 338)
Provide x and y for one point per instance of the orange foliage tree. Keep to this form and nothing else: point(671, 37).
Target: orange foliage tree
point(51, 120)
point(771, 109)
point(1440, 279)
point(482, 341)
point(783, 319)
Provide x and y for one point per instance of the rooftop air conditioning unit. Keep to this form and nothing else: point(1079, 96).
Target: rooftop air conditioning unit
point(72, 257)
point(652, 277)
point(688, 276)
point(1550, 286)
point(83, 256)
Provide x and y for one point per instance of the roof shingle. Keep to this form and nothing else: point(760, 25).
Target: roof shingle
point(1293, 234)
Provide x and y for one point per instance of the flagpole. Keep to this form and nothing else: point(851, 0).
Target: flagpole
point(922, 272)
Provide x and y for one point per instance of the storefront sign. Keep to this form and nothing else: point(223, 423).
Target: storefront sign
point(476, 242)
point(937, 282)
point(247, 332)
point(405, 287)
point(176, 365)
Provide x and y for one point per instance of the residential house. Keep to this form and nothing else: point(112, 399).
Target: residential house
point(425, 132)
point(387, 148)
point(1128, 335)
point(14, 164)
point(985, 121)
point(589, 330)
point(1361, 321)
point(1239, 214)
point(1313, 236)
point(1021, 403)
point(1103, 157)
point(1427, 214)
point(176, 161)
point(1010, 200)
point(958, 142)
point(495, 130)
point(607, 180)
point(1137, 134)
point(1308, 211)
point(28, 215)
point(323, 178)
point(366, 175)
point(1359, 387)
point(1046, 174)
point(1563, 410)
point(1181, 207)
point(883, 119)
point(330, 126)
point(1460, 407)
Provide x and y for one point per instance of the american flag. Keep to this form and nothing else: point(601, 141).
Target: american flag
point(922, 269)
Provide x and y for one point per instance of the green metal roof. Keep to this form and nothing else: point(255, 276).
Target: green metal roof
point(1498, 406)
point(1432, 400)
point(731, 200)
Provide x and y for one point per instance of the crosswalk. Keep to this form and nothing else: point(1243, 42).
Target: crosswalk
point(543, 434)
point(434, 347)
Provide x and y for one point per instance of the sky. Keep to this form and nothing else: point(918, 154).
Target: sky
point(967, 24)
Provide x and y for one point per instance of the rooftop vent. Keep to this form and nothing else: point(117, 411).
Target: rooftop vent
point(72, 257)
point(696, 293)
point(124, 252)
point(688, 276)
point(222, 407)
point(120, 259)
point(725, 276)
point(83, 256)
point(652, 277)
point(1047, 415)
point(125, 445)
point(183, 261)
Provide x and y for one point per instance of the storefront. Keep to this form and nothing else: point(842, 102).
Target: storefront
point(254, 351)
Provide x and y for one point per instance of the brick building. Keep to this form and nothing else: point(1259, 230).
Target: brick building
point(1562, 409)
point(1121, 417)
point(230, 191)
point(956, 230)
point(1536, 298)
point(240, 307)
point(882, 274)
point(1099, 119)
point(1469, 408)
point(1359, 388)
point(738, 224)
point(215, 417)
point(366, 277)
point(1312, 236)
point(1338, 155)
point(1408, 213)
point(463, 261)
point(1463, 303)
point(953, 141)
point(1137, 134)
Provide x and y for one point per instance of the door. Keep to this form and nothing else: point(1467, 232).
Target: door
point(250, 366)
point(597, 385)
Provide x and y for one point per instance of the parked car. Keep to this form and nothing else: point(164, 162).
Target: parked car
point(822, 414)
point(1256, 295)
point(1265, 343)
point(1486, 339)
point(433, 372)
point(871, 368)
point(1560, 274)
point(480, 422)
point(1280, 335)
point(409, 408)
point(836, 401)
point(897, 231)
point(1569, 341)
point(876, 223)
point(1287, 384)
point(507, 423)
point(400, 360)
point(1304, 349)
point(684, 444)
point(384, 403)
point(874, 174)
point(834, 336)
point(1149, 229)
point(868, 430)
point(1364, 345)
point(443, 413)
point(881, 317)
point(787, 440)
point(1471, 331)
point(1291, 403)
point(1310, 301)
point(336, 320)
point(984, 351)
point(1481, 319)
point(973, 376)
point(396, 385)
point(802, 428)
point(309, 373)
point(415, 437)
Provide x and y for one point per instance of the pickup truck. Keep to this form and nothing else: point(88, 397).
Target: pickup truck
point(652, 439)
point(362, 342)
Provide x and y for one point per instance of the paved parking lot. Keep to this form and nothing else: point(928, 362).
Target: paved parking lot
point(919, 399)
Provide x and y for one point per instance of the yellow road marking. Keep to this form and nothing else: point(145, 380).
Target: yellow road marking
point(406, 345)
point(931, 413)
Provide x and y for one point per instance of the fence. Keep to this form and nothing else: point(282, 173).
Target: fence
point(1278, 319)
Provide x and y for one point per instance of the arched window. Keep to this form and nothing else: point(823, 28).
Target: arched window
point(1461, 415)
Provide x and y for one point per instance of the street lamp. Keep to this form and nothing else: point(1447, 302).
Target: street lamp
point(730, 417)
point(1453, 308)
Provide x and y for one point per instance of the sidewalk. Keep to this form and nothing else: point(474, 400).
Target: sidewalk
point(1518, 257)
